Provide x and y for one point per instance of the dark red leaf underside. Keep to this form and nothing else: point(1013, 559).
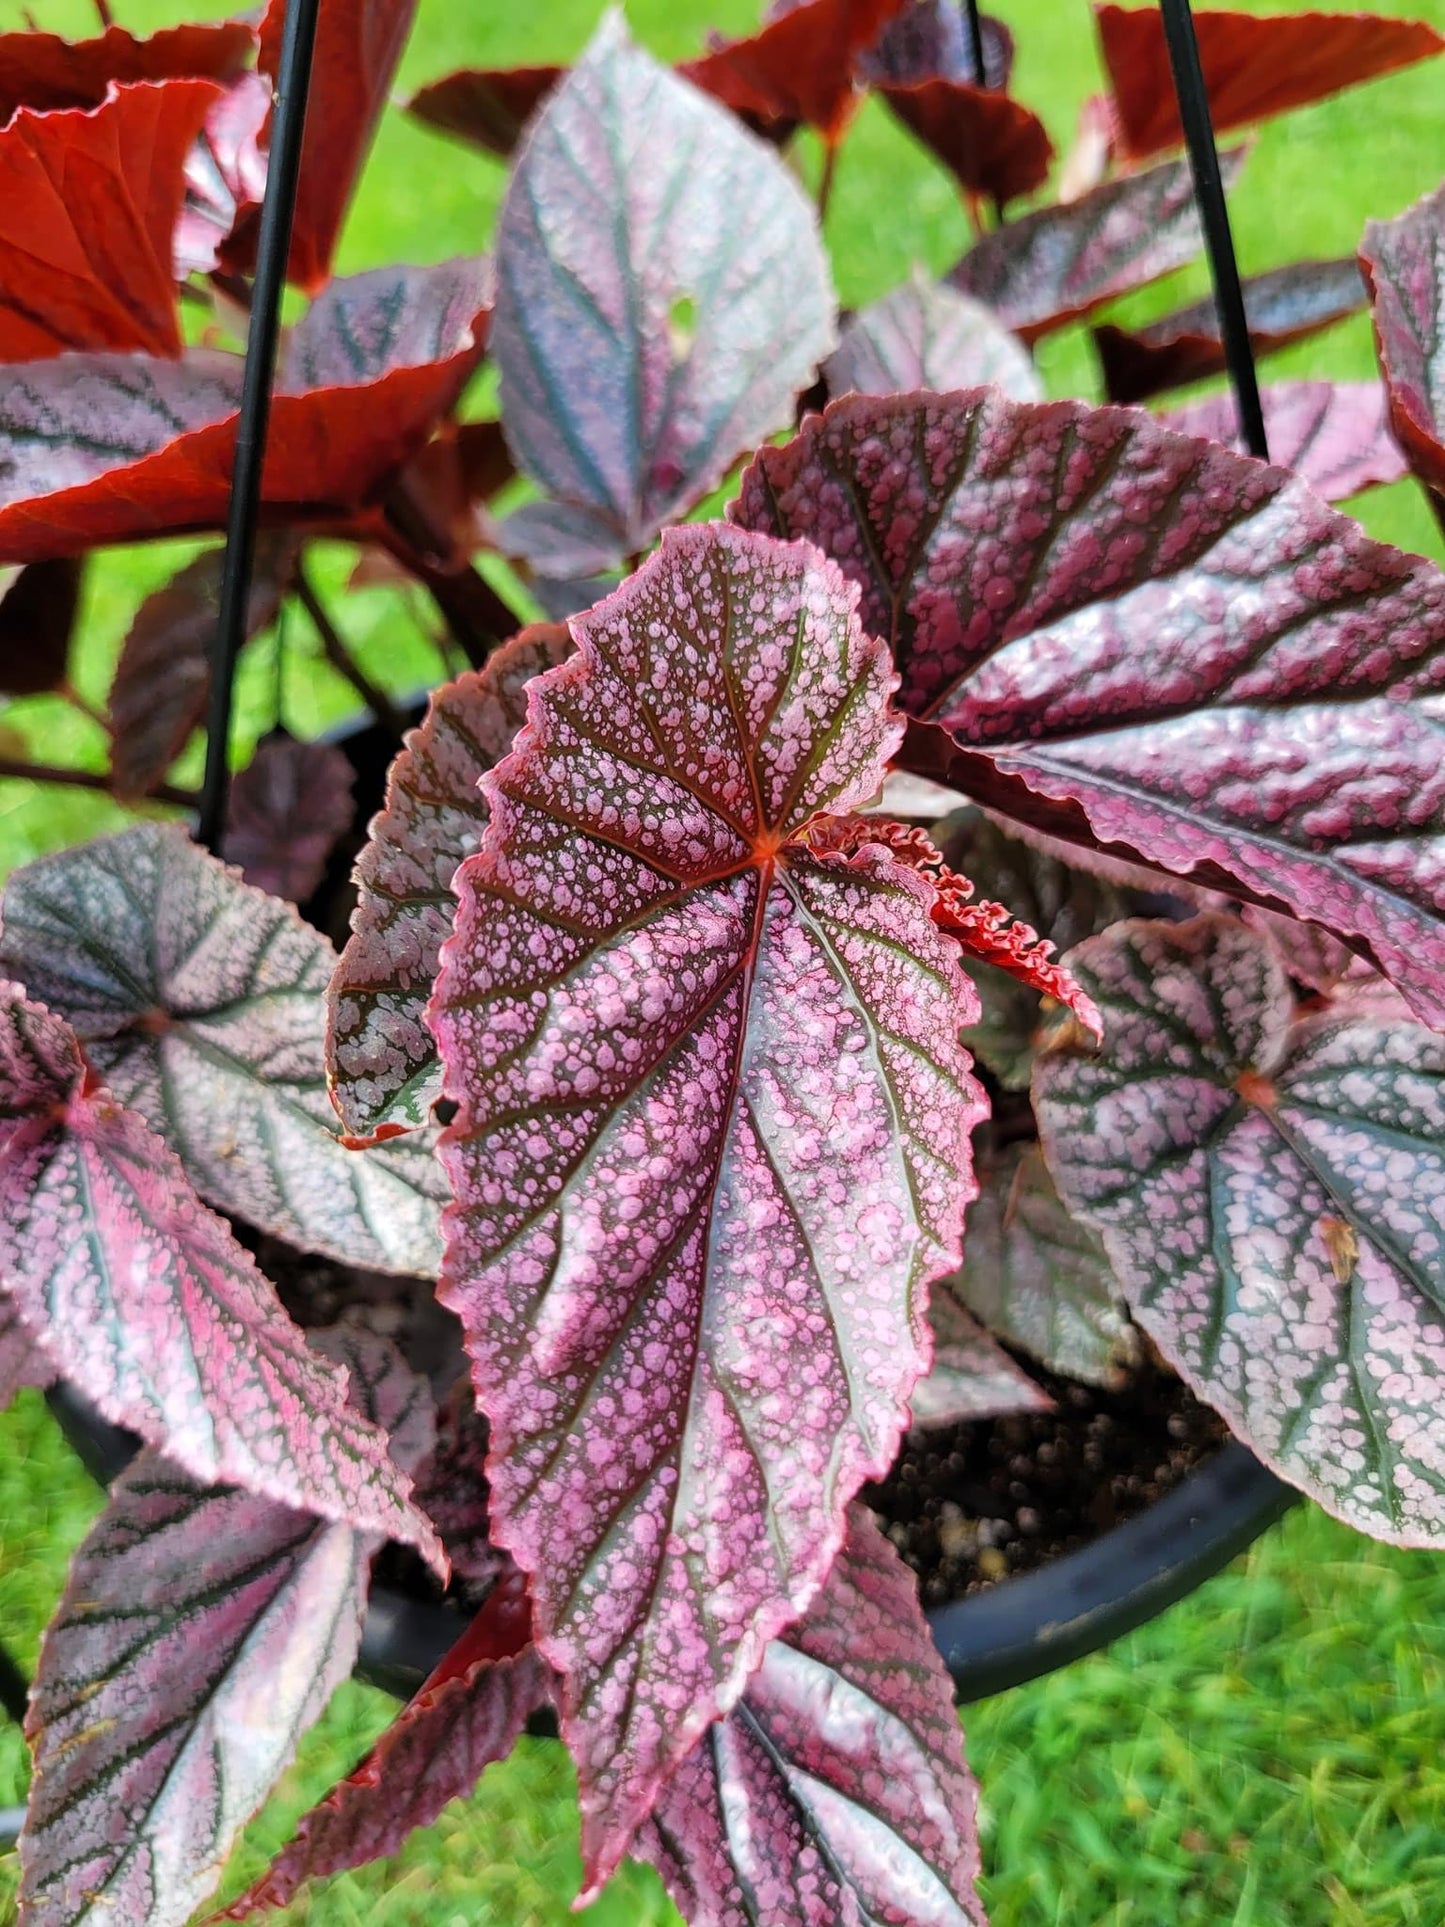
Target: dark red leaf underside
point(1253, 67)
point(358, 45)
point(42, 71)
point(836, 1791)
point(990, 144)
point(1057, 263)
point(88, 203)
point(1404, 262)
point(800, 67)
point(37, 617)
point(1285, 305)
point(487, 106)
point(1335, 435)
point(1147, 643)
point(287, 808)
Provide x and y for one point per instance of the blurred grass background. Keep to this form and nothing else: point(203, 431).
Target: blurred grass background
point(1271, 1753)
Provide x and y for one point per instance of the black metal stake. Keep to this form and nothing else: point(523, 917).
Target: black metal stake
point(1193, 99)
point(288, 122)
point(975, 42)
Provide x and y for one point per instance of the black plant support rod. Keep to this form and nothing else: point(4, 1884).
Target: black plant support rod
point(1193, 99)
point(293, 81)
point(975, 42)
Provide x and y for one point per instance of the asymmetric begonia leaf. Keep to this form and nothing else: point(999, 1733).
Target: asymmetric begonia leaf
point(711, 1140)
point(200, 1634)
point(98, 448)
point(21, 1360)
point(1335, 435)
point(1287, 304)
point(1254, 66)
point(972, 1376)
point(1272, 1195)
point(1404, 263)
point(358, 45)
point(144, 1299)
point(471, 1711)
point(487, 106)
point(1036, 1275)
point(91, 267)
point(929, 40)
point(44, 72)
point(1057, 263)
point(836, 1790)
point(800, 66)
point(381, 1054)
point(37, 619)
point(1147, 643)
point(286, 810)
point(225, 176)
point(990, 143)
point(639, 356)
point(202, 1003)
point(922, 335)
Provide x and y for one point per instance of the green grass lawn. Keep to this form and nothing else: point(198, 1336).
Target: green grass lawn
point(1269, 1754)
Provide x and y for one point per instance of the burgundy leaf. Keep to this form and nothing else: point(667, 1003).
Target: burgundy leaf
point(1272, 1196)
point(639, 356)
point(37, 618)
point(469, 1713)
point(287, 808)
point(88, 201)
point(21, 1360)
point(383, 1060)
point(464, 465)
point(1287, 304)
point(1036, 1275)
point(836, 1791)
point(1254, 66)
point(225, 175)
point(200, 1634)
point(1335, 435)
point(696, 1062)
point(1148, 643)
point(1058, 263)
point(158, 695)
point(202, 1003)
point(1404, 264)
point(98, 448)
point(42, 71)
point(972, 1376)
point(929, 40)
point(801, 66)
point(488, 107)
point(358, 45)
point(990, 144)
point(144, 1299)
point(926, 336)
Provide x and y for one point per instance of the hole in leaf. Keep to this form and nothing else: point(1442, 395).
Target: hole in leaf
point(682, 327)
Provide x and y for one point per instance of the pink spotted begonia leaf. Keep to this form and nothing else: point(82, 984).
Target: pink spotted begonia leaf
point(1132, 639)
point(201, 1002)
point(144, 1299)
point(712, 1138)
point(1335, 435)
point(926, 335)
point(1404, 264)
point(640, 355)
point(200, 1634)
point(381, 1054)
point(1271, 1193)
point(21, 1360)
point(836, 1790)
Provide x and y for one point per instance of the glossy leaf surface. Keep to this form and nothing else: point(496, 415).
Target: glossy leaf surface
point(1404, 263)
point(1335, 435)
point(923, 335)
point(381, 1054)
point(680, 1041)
point(201, 1003)
point(286, 810)
point(1148, 644)
point(101, 448)
point(44, 72)
point(991, 144)
point(89, 266)
point(1285, 305)
point(1057, 263)
point(37, 618)
point(639, 356)
point(145, 1300)
point(1272, 1196)
point(1253, 67)
point(836, 1791)
point(487, 106)
point(800, 66)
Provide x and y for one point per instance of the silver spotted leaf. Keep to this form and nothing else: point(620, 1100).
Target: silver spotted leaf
point(836, 1790)
point(381, 1056)
point(1271, 1193)
point(712, 1138)
point(201, 1001)
point(925, 335)
point(643, 349)
point(1335, 435)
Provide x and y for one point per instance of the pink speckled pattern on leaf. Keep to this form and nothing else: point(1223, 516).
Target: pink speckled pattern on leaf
point(1335, 435)
point(926, 335)
point(146, 1301)
point(21, 1360)
point(1150, 643)
point(380, 1052)
point(835, 1795)
point(1272, 1196)
point(201, 1001)
point(662, 298)
point(1404, 263)
point(712, 1139)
